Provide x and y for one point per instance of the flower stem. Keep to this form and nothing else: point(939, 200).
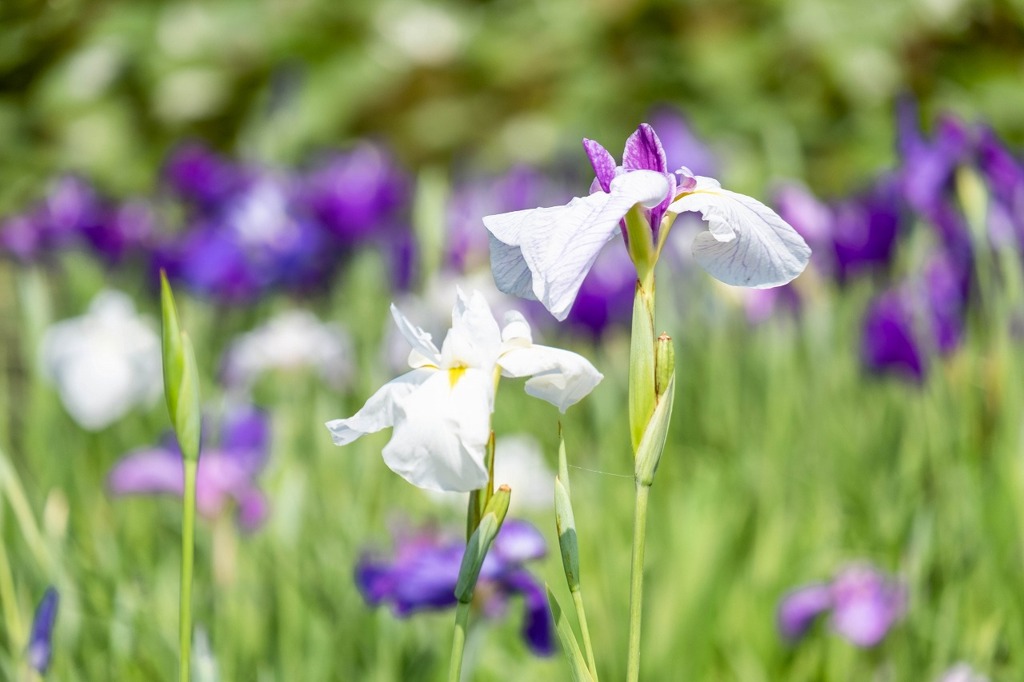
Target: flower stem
point(458, 641)
point(581, 613)
point(636, 583)
point(188, 523)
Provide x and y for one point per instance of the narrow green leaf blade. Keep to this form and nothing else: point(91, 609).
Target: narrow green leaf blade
point(577, 664)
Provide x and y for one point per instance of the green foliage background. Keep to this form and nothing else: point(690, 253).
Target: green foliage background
point(784, 462)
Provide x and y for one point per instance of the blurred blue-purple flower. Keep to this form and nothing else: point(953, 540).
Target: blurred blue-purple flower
point(40, 642)
point(199, 175)
point(864, 603)
point(923, 318)
point(422, 574)
point(227, 471)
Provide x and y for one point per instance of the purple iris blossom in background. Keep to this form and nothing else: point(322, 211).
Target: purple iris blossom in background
point(227, 471)
point(356, 193)
point(864, 604)
point(126, 229)
point(605, 298)
point(682, 147)
point(40, 641)
point(70, 208)
point(922, 318)
point(422, 574)
point(1004, 175)
point(849, 236)
point(255, 239)
point(201, 176)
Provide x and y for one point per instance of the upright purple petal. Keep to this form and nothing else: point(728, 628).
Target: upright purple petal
point(40, 643)
point(799, 608)
point(602, 162)
point(644, 151)
point(538, 625)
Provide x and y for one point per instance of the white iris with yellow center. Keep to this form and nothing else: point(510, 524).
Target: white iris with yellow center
point(441, 410)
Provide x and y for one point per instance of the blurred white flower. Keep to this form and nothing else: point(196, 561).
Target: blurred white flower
point(103, 363)
point(294, 339)
point(962, 672)
point(441, 410)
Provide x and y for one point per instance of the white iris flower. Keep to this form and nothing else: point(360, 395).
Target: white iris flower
point(441, 410)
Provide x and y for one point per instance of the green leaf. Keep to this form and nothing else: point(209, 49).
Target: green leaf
point(577, 664)
point(652, 445)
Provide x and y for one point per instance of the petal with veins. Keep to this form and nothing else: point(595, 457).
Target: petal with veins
point(379, 411)
point(560, 244)
point(423, 352)
point(747, 244)
point(511, 273)
point(560, 377)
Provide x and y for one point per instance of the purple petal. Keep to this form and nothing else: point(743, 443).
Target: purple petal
point(373, 580)
point(799, 608)
point(253, 509)
point(518, 542)
point(246, 437)
point(867, 604)
point(40, 649)
point(538, 625)
point(644, 151)
point(156, 470)
point(603, 163)
point(887, 340)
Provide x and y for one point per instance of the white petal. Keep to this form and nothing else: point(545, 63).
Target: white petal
point(441, 433)
point(558, 376)
point(560, 244)
point(423, 352)
point(511, 273)
point(516, 332)
point(473, 321)
point(747, 244)
point(379, 411)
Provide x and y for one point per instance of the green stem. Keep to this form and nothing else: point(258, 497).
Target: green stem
point(188, 525)
point(636, 581)
point(458, 641)
point(15, 633)
point(581, 613)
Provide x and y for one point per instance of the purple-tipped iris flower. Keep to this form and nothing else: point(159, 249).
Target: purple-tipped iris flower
point(40, 642)
point(545, 253)
point(227, 471)
point(864, 604)
point(425, 568)
point(906, 326)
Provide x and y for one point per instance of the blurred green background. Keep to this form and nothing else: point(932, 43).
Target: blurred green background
point(788, 461)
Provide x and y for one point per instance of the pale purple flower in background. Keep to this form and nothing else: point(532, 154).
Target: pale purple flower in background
point(962, 672)
point(441, 410)
point(863, 602)
point(682, 147)
point(103, 363)
point(546, 253)
point(291, 340)
point(228, 469)
point(70, 208)
point(40, 642)
point(422, 574)
point(605, 298)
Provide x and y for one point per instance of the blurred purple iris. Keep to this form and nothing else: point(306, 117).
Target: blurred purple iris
point(850, 236)
point(201, 176)
point(682, 146)
point(923, 318)
point(422, 574)
point(226, 475)
point(864, 603)
point(40, 642)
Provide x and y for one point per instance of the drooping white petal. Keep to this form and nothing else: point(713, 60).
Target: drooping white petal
point(747, 244)
point(558, 376)
point(560, 244)
point(511, 273)
point(379, 412)
point(423, 352)
point(441, 433)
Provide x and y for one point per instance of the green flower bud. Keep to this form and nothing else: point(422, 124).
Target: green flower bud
point(480, 542)
point(181, 376)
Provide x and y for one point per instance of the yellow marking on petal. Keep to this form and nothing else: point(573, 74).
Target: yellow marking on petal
point(454, 374)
